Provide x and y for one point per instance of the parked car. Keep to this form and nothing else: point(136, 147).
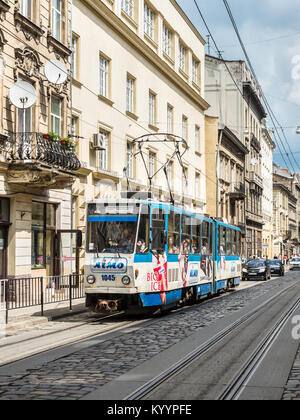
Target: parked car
point(295, 263)
point(276, 267)
point(257, 269)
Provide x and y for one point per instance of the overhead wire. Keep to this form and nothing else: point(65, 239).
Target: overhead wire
point(228, 69)
point(269, 109)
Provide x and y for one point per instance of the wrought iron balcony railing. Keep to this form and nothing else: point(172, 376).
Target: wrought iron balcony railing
point(238, 191)
point(34, 147)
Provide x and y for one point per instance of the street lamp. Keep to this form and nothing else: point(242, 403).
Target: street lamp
point(298, 130)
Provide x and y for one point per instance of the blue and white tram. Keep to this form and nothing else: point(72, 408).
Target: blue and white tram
point(146, 255)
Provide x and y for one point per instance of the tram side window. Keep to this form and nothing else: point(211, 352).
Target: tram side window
point(173, 233)
point(196, 236)
point(205, 238)
point(210, 239)
point(228, 242)
point(158, 226)
point(142, 245)
point(222, 240)
point(234, 238)
point(186, 234)
point(238, 243)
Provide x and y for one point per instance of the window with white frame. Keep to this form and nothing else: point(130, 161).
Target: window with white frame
point(167, 41)
point(75, 42)
point(152, 157)
point(170, 119)
point(221, 168)
point(149, 21)
point(104, 68)
point(128, 7)
point(170, 173)
point(24, 118)
point(26, 8)
point(129, 160)
point(195, 71)
point(182, 57)
point(152, 101)
point(130, 94)
point(57, 19)
point(55, 115)
point(103, 154)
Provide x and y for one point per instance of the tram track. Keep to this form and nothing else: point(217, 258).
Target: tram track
point(240, 381)
point(235, 389)
point(62, 342)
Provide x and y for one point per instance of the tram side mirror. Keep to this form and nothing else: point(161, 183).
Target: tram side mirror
point(79, 239)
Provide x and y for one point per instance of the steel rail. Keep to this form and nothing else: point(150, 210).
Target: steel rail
point(190, 357)
point(235, 389)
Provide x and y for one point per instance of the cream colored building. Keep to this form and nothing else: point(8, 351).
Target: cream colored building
point(268, 147)
point(238, 104)
point(138, 68)
point(36, 174)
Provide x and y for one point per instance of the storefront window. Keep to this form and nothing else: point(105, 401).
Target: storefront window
point(43, 219)
point(38, 214)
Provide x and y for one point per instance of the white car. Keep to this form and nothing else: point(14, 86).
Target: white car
point(295, 263)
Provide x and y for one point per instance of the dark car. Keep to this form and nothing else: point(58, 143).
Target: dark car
point(257, 269)
point(276, 267)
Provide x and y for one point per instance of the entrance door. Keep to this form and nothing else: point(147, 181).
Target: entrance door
point(67, 245)
point(3, 252)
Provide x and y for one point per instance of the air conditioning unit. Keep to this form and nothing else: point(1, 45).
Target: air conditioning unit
point(98, 141)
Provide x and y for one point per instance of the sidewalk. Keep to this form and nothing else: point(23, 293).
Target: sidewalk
point(19, 319)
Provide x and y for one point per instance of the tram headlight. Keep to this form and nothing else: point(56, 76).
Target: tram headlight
point(126, 280)
point(91, 279)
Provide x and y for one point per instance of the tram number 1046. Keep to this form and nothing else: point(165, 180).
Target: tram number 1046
point(107, 277)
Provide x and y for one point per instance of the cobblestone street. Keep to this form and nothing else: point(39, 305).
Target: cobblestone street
point(292, 390)
point(80, 373)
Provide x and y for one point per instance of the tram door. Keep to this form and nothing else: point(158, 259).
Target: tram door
point(67, 246)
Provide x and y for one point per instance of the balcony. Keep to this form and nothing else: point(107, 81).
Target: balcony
point(255, 181)
point(238, 191)
point(252, 217)
point(38, 161)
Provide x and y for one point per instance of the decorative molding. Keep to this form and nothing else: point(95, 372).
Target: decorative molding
point(4, 7)
point(60, 50)
point(3, 41)
point(29, 29)
point(28, 61)
point(62, 89)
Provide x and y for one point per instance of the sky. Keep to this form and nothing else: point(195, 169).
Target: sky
point(270, 30)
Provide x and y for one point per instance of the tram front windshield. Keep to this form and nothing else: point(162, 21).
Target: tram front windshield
point(112, 233)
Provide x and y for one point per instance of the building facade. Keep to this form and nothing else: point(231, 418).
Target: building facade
point(286, 189)
point(268, 147)
point(225, 163)
point(138, 70)
point(239, 106)
point(36, 169)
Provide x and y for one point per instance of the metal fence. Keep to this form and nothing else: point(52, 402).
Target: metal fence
point(40, 291)
point(2, 294)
